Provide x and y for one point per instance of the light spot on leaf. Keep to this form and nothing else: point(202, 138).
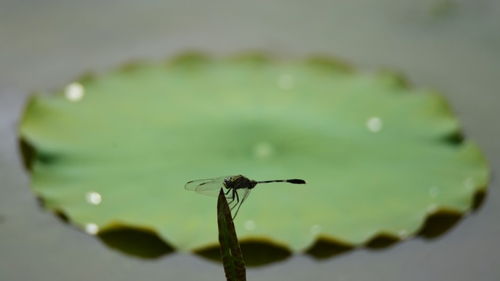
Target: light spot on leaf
point(74, 92)
point(315, 229)
point(403, 233)
point(93, 198)
point(91, 228)
point(285, 82)
point(374, 124)
point(250, 225)
point(263, 150)
point(434, 192)
point(469, 183)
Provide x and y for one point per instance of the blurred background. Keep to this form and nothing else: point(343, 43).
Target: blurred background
point(449, 45)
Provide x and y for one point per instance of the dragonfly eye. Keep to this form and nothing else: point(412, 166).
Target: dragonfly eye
point(228, 183)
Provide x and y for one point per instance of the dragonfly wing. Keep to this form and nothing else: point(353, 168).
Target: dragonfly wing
point(245, 194)
point(208, 187)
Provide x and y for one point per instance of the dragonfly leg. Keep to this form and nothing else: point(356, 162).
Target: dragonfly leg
point(231, 198)
point(235, 195)
point(237, 210)
point(231, 203)
point(228, 198)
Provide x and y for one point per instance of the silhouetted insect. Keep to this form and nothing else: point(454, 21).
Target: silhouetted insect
point(232, 185)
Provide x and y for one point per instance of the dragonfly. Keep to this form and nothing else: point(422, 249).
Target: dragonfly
point(233, 186)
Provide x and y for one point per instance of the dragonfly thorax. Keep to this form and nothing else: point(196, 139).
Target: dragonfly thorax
point(239, 182)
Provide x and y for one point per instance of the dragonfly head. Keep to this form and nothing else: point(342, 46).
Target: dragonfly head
point(231, 182)
point(228, 182)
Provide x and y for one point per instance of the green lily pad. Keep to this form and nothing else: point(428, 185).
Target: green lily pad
point(378, 157)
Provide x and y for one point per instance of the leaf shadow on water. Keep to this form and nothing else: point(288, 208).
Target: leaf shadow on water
point(142, 243)
point(136, 242)
point(146, 244)
point(255, 253)
point(435, 225)
point(131, 241)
